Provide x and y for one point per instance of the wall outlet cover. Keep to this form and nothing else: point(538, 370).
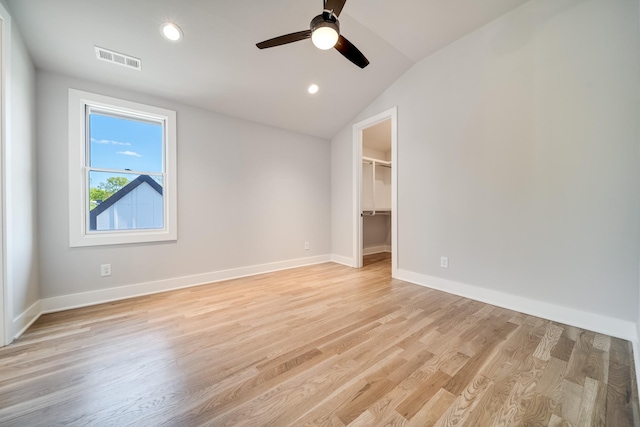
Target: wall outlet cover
point(444, 262)
point(105, 270)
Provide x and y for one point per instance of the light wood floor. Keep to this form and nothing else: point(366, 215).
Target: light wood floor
point(321, 345)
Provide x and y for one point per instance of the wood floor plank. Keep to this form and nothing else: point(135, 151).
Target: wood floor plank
point(324, 413)
point(538, 412)
point(557, 421)
point(465, 403)
point(577, 368)
point(563, 349)
point(551, 379)
point(602, 342)
point(620, 405)
point(593, 404)
point(569, 401)
point(433, 410)
point(320, 345)
point(461, 379)
point(412, 404)
point(548, 342)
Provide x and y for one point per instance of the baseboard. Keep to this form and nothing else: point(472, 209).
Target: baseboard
point(26, 319)
point(339, 259)
point(67, 302)
point(570, 316)
point(598, 323)
point(636, 360)
point(376, 249)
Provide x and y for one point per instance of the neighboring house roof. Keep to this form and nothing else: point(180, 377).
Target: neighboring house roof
point(93, 215)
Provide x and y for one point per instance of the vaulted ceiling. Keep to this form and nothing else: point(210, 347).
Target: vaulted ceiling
point(217, 65)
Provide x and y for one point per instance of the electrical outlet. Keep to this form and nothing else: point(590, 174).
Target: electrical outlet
point(105, 270)
point(306, 246)
point(444, 262)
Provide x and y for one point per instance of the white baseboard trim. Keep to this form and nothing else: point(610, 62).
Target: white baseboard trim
point(83, 299)
point(26, 319)
point(636, 359)
point(598, 323)
point(376, 249)
point(570, 316)
point(339, 259)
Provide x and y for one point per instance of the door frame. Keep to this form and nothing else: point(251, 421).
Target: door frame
point(358, 129)
point(5, 306)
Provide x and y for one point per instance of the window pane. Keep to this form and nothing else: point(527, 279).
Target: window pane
point(125, 143)
point(125, 201)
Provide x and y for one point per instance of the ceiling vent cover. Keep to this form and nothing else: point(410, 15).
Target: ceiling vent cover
point(118, 58)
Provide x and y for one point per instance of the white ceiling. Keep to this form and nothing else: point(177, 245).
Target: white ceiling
point(218, 67)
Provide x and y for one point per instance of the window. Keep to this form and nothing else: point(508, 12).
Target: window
point(122, 163)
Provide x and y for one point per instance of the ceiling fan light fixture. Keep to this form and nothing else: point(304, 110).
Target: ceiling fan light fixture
point(324, 32)
point(324, 38)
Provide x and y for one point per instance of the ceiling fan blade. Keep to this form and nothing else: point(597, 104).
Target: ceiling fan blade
point(288, 38)
point(335, 5)
point(349, 51)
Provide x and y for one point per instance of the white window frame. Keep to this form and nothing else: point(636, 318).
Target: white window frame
point(79, 234)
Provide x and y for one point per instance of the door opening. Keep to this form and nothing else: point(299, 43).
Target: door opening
point(375, 187)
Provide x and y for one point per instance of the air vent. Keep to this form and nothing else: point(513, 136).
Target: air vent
point(118, 58)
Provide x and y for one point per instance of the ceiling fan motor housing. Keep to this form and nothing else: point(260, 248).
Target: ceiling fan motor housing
point(327, 19)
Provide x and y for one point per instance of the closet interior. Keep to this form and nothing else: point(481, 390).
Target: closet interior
point(376, 188)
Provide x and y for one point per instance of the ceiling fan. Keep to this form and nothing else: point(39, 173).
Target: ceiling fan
point(325, 34)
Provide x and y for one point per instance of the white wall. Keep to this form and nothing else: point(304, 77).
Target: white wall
point(248, 194)
point(518, 158)
point(22, 249)
point(376, 233)
point(342, 196)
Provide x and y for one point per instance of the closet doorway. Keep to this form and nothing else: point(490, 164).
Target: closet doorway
point(375, 189)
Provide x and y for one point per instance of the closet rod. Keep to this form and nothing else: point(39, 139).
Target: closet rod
point(374, 213)
point(377, 162)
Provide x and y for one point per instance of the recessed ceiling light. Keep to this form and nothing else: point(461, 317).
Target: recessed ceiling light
point(171, 32)
point(313, 89)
